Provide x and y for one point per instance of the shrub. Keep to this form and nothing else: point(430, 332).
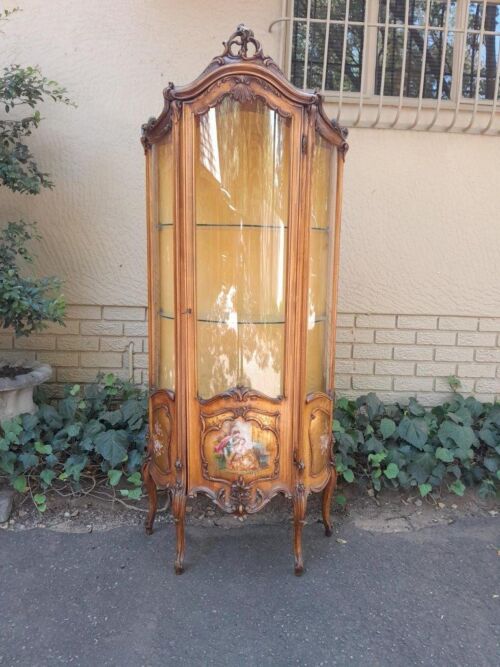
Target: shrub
point(457, 444)
point(25, 303)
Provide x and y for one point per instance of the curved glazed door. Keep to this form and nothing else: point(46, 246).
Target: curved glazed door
point(243, 221)
point(162, 230)
point(324, 169)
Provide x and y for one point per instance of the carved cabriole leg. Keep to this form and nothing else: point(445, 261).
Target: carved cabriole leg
point(150, 485)
point(326, 500)
point(299, 516)
point(179, 512)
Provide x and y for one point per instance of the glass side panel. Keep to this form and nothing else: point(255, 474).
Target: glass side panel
point(242, 159)
point(164, 223)
point(320, 269)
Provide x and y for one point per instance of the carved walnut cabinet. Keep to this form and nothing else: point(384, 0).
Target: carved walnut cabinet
point(244, 182)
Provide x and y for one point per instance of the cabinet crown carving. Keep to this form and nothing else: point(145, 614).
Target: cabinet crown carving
point(242, 51)
point(242, 37)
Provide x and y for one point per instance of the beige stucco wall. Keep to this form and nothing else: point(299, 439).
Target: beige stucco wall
point(421, 227)
point(421, 232)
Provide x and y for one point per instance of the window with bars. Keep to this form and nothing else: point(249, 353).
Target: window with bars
point(428, 49)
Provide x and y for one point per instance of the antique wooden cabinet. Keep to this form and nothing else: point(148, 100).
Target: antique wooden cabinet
point(244, 183)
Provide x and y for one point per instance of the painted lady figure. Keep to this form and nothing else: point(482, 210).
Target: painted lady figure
point(235, 449)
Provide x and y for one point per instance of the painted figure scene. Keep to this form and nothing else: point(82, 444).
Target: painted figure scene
point(237, 450)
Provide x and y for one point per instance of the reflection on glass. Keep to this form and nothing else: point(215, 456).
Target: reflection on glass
point(320, 262)
point(241, 186)
point(163, 161)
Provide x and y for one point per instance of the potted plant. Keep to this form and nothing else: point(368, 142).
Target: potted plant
point(27, 304)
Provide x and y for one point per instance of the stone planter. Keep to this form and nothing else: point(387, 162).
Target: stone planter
point(16, 394)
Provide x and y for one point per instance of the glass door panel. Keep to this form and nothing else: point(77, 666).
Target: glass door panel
point(164, 221)
point(242, 163)
point(321, 240)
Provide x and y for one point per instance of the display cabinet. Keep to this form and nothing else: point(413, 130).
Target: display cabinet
point(244, 184)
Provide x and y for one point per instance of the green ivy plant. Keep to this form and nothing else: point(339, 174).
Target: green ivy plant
point(96, 432)
point(456, 444)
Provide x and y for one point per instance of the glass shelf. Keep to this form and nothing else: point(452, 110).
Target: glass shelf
point(162, 225)
point(321, 318)
point(240, 225)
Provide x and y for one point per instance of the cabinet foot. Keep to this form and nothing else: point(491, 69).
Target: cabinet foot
point(299, 515)
point(326, 500)
point(179, 512)
point(150, 485)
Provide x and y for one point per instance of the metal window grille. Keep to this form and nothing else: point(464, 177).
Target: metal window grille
point(403, 64)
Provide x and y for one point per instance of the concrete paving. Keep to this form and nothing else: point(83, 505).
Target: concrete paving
point(425, 597)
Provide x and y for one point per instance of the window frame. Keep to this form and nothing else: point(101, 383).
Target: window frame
point(370, 25)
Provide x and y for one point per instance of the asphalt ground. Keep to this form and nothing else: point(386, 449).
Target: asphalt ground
point(422, 597)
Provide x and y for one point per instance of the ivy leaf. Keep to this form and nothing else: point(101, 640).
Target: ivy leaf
point(114, 476)
point(50, 416)
point(387, 428)
point(414, 431)
point(75, 464)
point(43, 449)
point(135, 479)
point(28, 460)
point(7, 461)
point(422, 466)
point(135, 459)
point(113, 417)
point(112, 446)
point(444, 454)
point(47, 476)
point(348, 475)
point(376, 459)
point(415, 409)
point(392, 471)
point(458, 488)
point(341, 500)
point(30, 422)
point(373, 445)
point(20, 484)
point(11, 430)
point(450, 433)
point(487, 437)
point(491, 464)
point(68, 407)
point(132, 494)
point(424, 489)
point(73, 430)
point(337, 426)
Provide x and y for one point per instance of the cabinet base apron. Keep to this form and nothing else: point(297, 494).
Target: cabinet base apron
point(239, 499)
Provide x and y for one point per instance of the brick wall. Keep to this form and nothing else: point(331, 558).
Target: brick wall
point(397, 356)
point(95, 338)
